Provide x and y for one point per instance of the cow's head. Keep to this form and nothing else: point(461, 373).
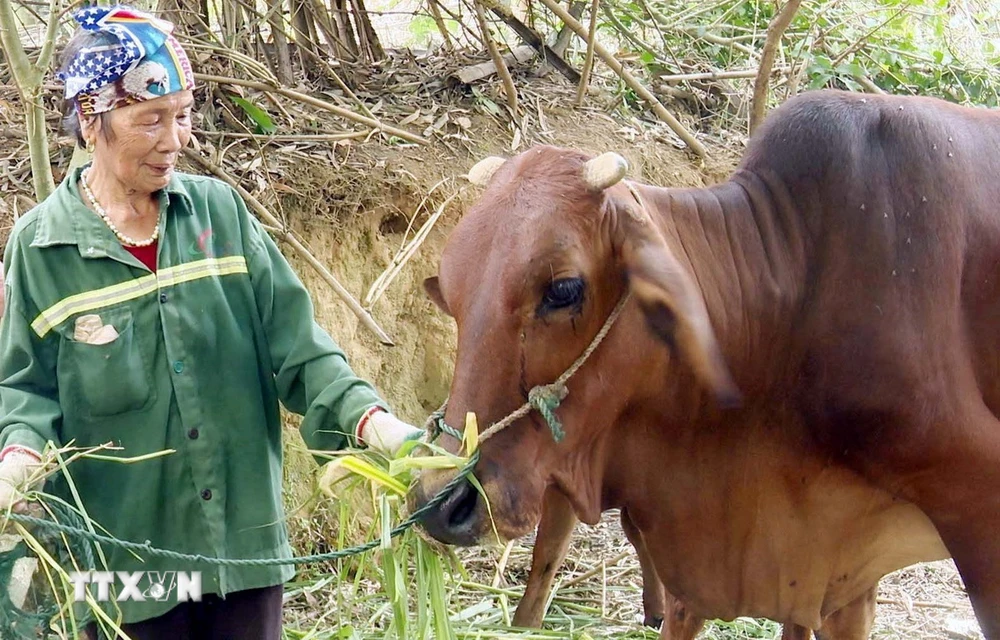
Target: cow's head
point(530, 275)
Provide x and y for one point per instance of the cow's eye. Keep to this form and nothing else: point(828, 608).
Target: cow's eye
point(562, 293)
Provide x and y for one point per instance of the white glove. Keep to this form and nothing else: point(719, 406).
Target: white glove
point(16, 468)
point(385, 432)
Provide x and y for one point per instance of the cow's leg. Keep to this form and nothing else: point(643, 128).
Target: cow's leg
point(975, 547)
point(551, 543)
point(678, 622)
point(795, 632)
point(950, 468)
point(852, 622)
point(961, 496)
point(660, 607)
point(655, 601)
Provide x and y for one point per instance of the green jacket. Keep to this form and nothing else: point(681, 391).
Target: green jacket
point(206, 348)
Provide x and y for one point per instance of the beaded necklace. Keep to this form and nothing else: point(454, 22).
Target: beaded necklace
point(124, 239)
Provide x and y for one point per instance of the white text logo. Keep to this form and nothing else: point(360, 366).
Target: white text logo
point(137, 586)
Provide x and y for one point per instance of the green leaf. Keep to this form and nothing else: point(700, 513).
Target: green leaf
point(818, 80)
point(821, 63)
point(259, 116)
point(421, 28)
point(850, 69)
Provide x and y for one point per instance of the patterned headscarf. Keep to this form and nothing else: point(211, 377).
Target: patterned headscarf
point(141, 61)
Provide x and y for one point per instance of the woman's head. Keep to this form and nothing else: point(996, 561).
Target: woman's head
point(128, 94)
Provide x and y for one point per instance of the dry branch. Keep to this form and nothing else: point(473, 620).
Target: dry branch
point(321, 104)
point(382, 283)
point(718, 75)
point(928, 605)
point(530, 37)
point(774, 32)
point(287, 137)
point(508, 82)
point(595, 570)
point(629, 79)
point(867, 84)
point(475, 72)
point(284, 234)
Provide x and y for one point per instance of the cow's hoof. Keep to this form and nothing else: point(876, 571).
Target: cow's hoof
point(653, 620)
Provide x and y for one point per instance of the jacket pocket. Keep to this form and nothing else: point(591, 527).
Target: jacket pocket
point(103, 380)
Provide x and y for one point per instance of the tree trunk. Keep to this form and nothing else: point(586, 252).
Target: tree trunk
point(341, 32)
point(231, 23)
point(565, 33)
point(366, 32)
point(38, 143)
point(775, 30)
point(435, 10)
point(28, 78)
point(304, 34)
point(284, 73)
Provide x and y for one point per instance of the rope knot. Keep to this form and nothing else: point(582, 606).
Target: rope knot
point(545, 399)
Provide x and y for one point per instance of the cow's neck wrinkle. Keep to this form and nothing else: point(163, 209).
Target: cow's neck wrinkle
point(743, 250)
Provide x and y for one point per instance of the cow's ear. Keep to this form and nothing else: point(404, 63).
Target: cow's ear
point(433, 288)
point(672, 305)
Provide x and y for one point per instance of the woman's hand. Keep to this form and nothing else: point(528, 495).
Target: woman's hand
point(16, 469)
point(387, 433)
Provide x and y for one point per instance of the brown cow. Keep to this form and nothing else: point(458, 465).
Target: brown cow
point(801, 392)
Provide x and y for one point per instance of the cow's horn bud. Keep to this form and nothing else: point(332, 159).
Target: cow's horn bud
point(605, 170)
point(483, 170)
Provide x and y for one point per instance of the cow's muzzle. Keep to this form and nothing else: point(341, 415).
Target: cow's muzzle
point(457, 519)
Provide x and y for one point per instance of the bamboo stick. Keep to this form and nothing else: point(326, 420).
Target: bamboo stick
point(286, 235)
point(321, 104)
point(432, 6)
point(588, 61)
point(508, 82)
point(629, 79)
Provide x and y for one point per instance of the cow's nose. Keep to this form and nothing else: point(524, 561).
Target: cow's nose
point(454, 521)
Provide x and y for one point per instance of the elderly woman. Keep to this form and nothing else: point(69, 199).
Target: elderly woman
point(148, 309)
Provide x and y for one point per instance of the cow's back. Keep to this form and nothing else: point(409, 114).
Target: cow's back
point(900, 200)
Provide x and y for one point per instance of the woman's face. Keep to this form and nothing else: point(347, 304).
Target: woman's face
point(144, 142)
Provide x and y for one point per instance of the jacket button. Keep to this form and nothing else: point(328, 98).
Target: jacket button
point(206, 494)
point(193, 434)
point(178, 366)
point(163, 297)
